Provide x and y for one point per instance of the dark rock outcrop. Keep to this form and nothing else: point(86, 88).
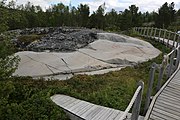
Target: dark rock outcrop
point(64, 39)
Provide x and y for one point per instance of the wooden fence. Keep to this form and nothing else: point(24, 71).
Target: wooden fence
point(170, 62)
point(169, 38)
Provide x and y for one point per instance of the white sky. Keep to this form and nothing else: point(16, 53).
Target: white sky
point(118, 5)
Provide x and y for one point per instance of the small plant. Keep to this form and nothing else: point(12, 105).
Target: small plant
point(27, 39)
point(8, 61)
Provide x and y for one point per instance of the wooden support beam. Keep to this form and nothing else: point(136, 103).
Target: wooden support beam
point(150, 85)
point(137, 104)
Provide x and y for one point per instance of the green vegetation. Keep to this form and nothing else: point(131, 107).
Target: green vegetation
point(25, 98)
point(14, 16)
point(8, 62)
point(27, 39)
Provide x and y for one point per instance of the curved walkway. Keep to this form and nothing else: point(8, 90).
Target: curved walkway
point(166, 103)
point(82, 110)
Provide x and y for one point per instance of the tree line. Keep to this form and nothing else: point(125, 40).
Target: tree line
point(14, 16)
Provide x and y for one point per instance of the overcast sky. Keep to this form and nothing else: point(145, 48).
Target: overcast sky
point(118, 5)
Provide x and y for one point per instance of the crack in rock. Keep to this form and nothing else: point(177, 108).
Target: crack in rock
point(120, 61)
point(91, 56)
point(67, 66)
point(48, 66)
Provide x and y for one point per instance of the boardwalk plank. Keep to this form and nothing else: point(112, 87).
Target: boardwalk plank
point(177, 76)
point(154, 117)
point(62, 100)
point(175, 83)
point(172, 91)
point(160, 116)
point(118, 116)
point(69, 102)
point(174, 86)
point(94, 113)
point(104, 112)
point(94, 108)
point(168, 107)
point(78, 107)
point(105, 117)
point(170, 96)
point(113, 115)
point(168, 103)
point(85, 109)
point(72, 104)
point(167, 115)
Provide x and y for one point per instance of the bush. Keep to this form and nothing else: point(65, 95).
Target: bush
point(27, 39)
point(24, 102)
point(8, 61)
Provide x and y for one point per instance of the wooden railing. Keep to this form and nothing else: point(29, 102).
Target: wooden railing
point(169, 38)
point(135, 103)
point(170, 62)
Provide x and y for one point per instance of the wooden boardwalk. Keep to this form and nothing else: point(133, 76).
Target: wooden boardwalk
point(82, 110)
point(166, 103)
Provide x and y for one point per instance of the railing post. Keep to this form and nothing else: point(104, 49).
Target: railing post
point(151, 32)
point(150, 85)
point(178, 40)
point(147, 32)
point(171, 64)
point(174, 40)
point(164, 36)
point(168, 39)
point(141, 31)
point(177, 58)
point(161, 72)
point(155, 33)
point(144, 31)
point(137, 104)
point(159, 35)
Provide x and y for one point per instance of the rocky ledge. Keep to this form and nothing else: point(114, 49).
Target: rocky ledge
point(59, 39)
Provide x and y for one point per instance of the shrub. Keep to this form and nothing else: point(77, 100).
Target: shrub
point(8, 61)
point(27, 39)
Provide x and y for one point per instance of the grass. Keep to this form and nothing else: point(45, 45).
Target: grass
point(27, 39)
point(26, 98)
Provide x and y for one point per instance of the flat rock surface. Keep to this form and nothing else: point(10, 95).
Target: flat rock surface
point(109, 52)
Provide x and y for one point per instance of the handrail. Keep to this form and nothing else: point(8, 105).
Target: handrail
point(162, 33)
point(173, 50)
point(170, 61)
point(158, 93)
point(136, 100)
point(131, 103)
point(137, 97)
